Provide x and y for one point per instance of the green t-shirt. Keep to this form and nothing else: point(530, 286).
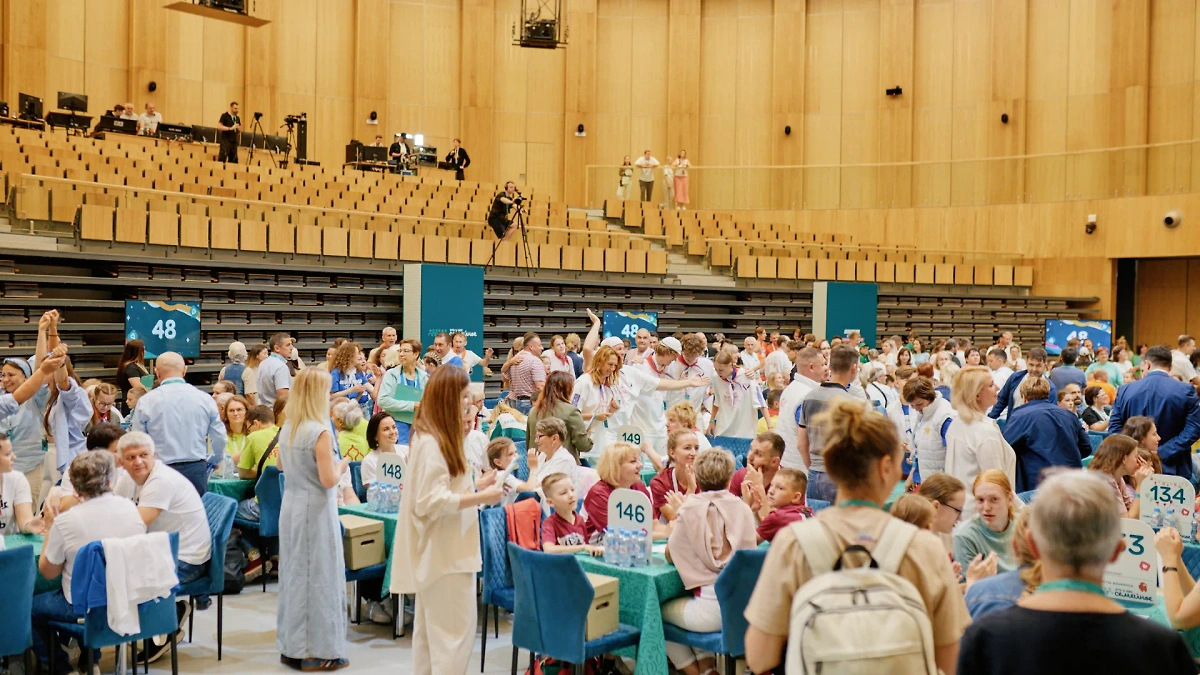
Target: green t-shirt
point(256, 445)
point(353, 443)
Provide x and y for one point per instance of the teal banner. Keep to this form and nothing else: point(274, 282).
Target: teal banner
point(445, 299)
point(842, 307)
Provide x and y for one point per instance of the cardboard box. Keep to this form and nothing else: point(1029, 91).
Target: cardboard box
point(604, 613)
point(362, 542)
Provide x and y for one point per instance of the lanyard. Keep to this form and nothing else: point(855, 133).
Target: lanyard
point(860, 502)
point(172, 380)
point(1071, 585)
point(733, 387)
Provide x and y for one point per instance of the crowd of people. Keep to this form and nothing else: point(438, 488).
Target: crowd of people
point(950, 436)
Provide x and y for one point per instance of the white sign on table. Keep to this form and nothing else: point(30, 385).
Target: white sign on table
point(631, 434)
point(1134, 577)
point(1175, 500)
point(631, 510)
point(391, 469)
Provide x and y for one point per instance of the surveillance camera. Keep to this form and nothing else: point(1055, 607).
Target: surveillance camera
point(1173, 218)
point(1090, 228)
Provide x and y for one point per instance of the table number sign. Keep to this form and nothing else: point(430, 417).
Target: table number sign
point(1133, 578)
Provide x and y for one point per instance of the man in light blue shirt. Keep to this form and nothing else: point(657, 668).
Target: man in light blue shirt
point(182, 420)
point(274, 378)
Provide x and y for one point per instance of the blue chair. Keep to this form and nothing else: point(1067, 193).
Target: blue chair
point(157, 617)
point(740, 447)
point(356, 481)
point(734, 586)
point(551, 614)
point(497, 576)
point(1027, 496)
point(1096, 438)
point(269, 490)
point(18, 571)
point(817, 504)
point(522, 471)
point(220, 512)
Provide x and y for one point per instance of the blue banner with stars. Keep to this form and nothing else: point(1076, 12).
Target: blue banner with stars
point(164, 326)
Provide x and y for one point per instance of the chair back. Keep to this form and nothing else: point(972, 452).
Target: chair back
point(18, 571)
point(522, 471)
point(220, 511)
point(157, 617)
point(493, 540)
point(356, 481)
point(740, 447)
point(550, 614)
point(1027, 496)
point(817, 504)
point(734, 586)
point(1095, 438)
point(269, 490)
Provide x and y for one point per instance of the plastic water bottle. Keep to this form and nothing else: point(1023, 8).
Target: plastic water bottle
point(1194, 529)
point(386, 499)
point(394, 499)
point(373, 497)
point(1156, 518)
point(610, 546)
point(642, 546)
point(230, 468)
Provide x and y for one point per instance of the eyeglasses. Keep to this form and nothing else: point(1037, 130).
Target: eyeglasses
point(958, 511)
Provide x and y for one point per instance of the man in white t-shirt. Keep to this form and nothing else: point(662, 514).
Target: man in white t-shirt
point(166, 504)
point(692, 362)
point(811, 370)
point(552, 456)
point(778, 361)
point(100, 515)
point(650, 410)
point(647, 164)
point(149, 121)
point(1181, 361)
point(997, 362)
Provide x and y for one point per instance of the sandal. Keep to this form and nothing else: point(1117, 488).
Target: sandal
point(314, 665)
point(289, 661)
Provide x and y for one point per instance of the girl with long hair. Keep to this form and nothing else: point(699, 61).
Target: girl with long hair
point(1119, 461)
point(311, 616)
point(973, 440)
point(555, 401)
point(130, 368)
point(437, 530)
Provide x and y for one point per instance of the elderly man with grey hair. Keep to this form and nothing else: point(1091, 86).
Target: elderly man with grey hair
point(1069, 624)
point(182, 420)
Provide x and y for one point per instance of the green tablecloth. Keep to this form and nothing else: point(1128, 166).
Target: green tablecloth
point(642, 591)
point(234, 488)
point(34, 542)
point(1158, 614)
point(648, 475)
point(389, 533)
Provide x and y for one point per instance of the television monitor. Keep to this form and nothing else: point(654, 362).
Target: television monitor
point(164, 326)
point(29, 107)
point(1060, 331)
point(72, 102)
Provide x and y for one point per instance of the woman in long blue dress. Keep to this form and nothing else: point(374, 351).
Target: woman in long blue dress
point(311, 632)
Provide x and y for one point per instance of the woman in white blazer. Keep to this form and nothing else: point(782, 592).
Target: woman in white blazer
point(437, 529)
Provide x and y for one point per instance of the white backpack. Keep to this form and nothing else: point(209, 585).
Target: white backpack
point(862, 621)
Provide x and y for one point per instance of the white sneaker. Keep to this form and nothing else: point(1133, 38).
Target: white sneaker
point(377, 612)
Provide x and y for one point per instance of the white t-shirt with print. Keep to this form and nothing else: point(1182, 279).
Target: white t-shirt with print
point(592, 398)
point(104, 517)
point(181, 509)
point(14, 489)
point(737, 400)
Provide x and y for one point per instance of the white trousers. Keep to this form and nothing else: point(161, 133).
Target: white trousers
point(34, 476)
point(700, 615)
point(50, 474)
point(444, 626)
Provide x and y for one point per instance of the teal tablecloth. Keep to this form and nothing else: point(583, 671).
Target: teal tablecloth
point(389, 533)
point(234, 488)
point(642, 590)
point(1158, 614)
point(34, 542)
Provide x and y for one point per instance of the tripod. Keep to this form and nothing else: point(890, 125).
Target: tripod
point(257, 130)
point(520, 222)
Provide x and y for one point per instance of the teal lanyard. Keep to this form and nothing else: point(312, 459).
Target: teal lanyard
point(859, 502)
point(1071, 585)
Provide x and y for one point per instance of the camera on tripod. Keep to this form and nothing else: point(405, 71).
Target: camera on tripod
point(291, 120)
point(257, 116)
point(519, 199)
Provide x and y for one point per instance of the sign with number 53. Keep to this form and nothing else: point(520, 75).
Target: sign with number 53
point(1133, 578)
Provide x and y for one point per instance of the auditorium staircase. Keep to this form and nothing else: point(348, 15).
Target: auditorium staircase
point(682, 269)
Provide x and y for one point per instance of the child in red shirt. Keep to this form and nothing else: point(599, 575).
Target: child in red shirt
point(564, 531)
point(781, 505)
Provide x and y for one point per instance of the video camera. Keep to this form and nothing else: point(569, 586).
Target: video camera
point(294, 119)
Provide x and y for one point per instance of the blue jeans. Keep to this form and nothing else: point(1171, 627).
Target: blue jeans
point(248, 510)
point(523, 405)
point(196, 472)
point(820, 487)
point(187, 572)
point(49, 607)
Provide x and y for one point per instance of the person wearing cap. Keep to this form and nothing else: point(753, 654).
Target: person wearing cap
point(650, 410)
point(24, 428)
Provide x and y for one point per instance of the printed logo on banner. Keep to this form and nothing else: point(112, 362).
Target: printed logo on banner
point(1168, 501)
point(627, 324)
point(391, 469)
point(1131, 579)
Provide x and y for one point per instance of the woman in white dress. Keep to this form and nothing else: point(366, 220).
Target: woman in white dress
point(437, 530)
point(973, 440)
point(681, 166)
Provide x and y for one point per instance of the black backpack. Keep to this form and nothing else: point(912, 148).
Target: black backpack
point(235, 563)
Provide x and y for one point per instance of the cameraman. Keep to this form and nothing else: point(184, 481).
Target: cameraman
point(500, 219)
